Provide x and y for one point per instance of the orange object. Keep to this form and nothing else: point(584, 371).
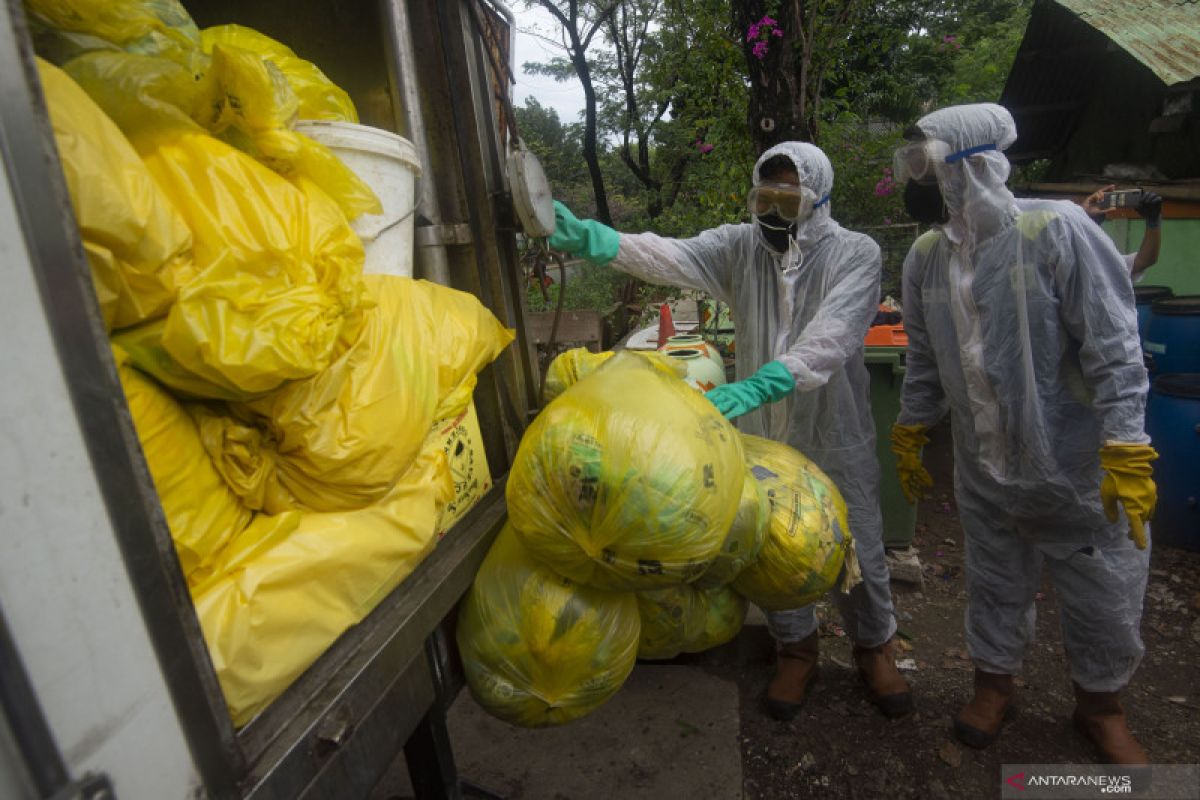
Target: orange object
point(886, 336)
point(666, 325)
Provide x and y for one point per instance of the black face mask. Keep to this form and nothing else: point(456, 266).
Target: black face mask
point(924, 203)
point(777, 231)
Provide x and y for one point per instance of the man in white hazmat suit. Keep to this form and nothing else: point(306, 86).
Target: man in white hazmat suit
point(1021, 324)
point(803, 292)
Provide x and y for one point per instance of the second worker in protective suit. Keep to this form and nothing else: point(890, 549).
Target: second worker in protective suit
point(803, 292)
point(1021, 325)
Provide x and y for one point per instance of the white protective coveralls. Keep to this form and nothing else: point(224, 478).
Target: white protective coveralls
point(1021, 323)
point(809, 309)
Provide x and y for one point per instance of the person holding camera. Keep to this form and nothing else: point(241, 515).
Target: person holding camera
point(1149, 207)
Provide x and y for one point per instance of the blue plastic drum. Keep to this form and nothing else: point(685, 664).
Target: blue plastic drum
point(1173, 422)
point(1172, 337)
point(1145, 296)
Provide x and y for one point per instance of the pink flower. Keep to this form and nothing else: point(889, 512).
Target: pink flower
point(760, 50)
point(752, 33)
point(948, 39)
point(703, 147)
point(777, 32)
point(767, 22)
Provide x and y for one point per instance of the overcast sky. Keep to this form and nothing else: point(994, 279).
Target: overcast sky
point(567, 97)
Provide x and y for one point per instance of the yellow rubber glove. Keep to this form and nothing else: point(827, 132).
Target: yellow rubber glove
point(1127, 477)
point(907, 441)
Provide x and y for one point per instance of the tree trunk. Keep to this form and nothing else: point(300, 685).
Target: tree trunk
point(589, 138)
point(777, 110)
point(577, 51)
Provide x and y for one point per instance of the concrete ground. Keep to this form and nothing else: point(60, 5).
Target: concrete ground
point(672, 731)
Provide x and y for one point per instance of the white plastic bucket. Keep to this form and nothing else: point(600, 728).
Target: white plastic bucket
point(389, 165)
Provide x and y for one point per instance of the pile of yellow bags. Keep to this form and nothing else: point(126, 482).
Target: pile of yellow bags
point(246, 278)
point(284, 590)
point(284, 401)
point(341, 438)
point(631, 485)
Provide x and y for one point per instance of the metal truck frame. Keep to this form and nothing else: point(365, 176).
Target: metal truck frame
point(106, 687)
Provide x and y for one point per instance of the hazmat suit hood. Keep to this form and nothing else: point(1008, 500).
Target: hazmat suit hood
point(972, 178)
point(816, 173)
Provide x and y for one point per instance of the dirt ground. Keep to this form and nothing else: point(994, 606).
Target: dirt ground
point(840, 747)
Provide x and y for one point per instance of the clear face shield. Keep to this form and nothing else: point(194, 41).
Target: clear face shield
point(789, 201)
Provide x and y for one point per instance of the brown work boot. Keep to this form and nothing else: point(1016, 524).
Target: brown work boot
point(886, 686)
point(980, 720)
point(795, 673)
point(1099, 717)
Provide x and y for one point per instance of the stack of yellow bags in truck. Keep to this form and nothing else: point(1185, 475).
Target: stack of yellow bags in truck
point(283, 399)
point(640, 523)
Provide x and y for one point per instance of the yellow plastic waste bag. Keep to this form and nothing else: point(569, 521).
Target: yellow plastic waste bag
point(808, 537)
point(279, 267)
point(291, 584)
point(63, 29)
point(682, 619)
point(538, 649)
point(569, 367)
point(201, 511)
point(248, 102)
point(319, 97)
point(340, 439)
point(137, 245)
point(242, 91)
point(150, 99)
point(744, 540)
point(466, 336)
point(628, 480)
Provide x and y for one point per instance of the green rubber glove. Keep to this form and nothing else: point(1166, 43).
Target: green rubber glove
point(771, 383)
point(588, 238)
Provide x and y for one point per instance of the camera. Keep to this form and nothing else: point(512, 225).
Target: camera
point(1127, 198)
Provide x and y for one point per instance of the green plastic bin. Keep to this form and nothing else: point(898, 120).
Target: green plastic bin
point(886, 367)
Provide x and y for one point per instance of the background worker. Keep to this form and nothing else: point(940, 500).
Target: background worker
point(1020, 322)
point(803, 291)
point(1149, 209)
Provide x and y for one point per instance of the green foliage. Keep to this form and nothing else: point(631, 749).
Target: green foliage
point(906, 57)
point(678, 89)
point(588, 287)
point(863, 191)
point(559, 148)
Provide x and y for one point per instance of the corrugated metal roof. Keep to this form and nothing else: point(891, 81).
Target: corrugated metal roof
point(1162, 34)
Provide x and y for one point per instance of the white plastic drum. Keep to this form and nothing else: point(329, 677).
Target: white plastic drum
point(389, 165)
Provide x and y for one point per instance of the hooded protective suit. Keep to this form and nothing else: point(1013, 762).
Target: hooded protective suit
point(1021, 323)
point(809, 309)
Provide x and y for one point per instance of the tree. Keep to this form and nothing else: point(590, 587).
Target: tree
point(580, 22)
point(558, 148)
point(671, 73)
point(787, 58)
